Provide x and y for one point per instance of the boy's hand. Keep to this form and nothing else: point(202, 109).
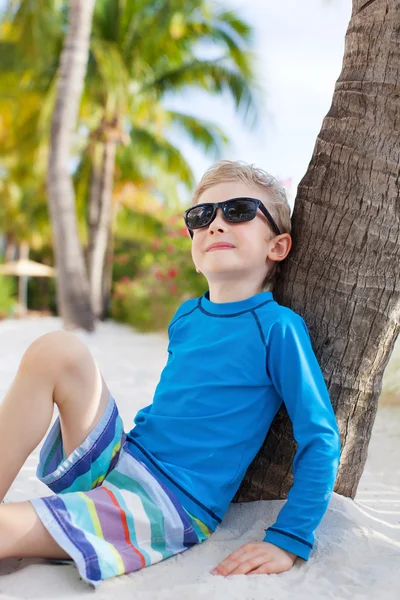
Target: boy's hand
point(256, 558)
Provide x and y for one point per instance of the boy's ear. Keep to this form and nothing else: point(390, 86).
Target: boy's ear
point(281, 247)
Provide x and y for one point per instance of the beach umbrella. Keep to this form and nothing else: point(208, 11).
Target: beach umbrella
point(24, 268)
point(27, 268)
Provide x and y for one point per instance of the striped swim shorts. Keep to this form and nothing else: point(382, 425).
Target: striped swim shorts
point(108, 511)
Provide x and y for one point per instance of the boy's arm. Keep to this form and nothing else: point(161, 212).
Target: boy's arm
point(297, 377)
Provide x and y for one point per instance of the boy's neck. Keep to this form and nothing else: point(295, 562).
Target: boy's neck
point(228, 291)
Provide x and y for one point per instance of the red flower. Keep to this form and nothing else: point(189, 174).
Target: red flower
point(155, 244)
point(125, 279)
point(173, 289)
point(183, 232)
point(172, 273)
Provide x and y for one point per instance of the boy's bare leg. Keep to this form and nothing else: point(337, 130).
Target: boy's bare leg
point(23, 535)
point(56, 369)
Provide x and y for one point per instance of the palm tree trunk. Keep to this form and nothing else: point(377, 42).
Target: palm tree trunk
point(343, 274)
point(23, 282)
point(93, 205)
point(100, 221)
point(72, 283)
point(108, 272)
point(10, 247)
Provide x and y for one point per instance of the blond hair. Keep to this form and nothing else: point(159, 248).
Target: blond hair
point(227, 170)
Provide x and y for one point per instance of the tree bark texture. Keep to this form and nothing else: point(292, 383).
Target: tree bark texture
point(72, 282)
point(343, 274)
point(100, 216)
point(23, 282)
point(108, 271)
point(10, 248)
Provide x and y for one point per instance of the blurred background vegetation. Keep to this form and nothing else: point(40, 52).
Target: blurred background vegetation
point(142, 54)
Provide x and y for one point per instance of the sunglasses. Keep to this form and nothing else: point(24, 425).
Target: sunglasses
point(236, 210)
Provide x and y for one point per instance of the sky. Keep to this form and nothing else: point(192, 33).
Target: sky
point(299, 46)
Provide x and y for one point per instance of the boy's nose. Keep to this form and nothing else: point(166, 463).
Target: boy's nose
point(219, 221)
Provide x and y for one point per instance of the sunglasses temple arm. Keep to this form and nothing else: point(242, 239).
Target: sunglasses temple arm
point(271, 220)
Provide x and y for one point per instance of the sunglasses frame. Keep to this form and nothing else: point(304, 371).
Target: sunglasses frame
point(222, 205)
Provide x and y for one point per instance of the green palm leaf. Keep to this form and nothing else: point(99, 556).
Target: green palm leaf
point(168, 156)
point(114, 75)
point(216, 77)
point(205, 134)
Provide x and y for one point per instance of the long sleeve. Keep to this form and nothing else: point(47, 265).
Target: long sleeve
point(297, 377)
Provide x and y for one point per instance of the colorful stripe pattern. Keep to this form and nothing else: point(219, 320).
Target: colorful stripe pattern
point(109, 513)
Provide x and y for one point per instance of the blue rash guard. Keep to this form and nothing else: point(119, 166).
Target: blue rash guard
point(229, 368)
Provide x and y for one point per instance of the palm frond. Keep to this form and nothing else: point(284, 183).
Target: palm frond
point(137, 225)
point(205, 134)
point(216, 77)
point(115, 77)
point(158, 148)
point(231, 19)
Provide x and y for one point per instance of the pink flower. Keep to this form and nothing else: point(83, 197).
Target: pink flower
point(183, 232)
point(155, 244)
point(172, 273)
point(159, 275)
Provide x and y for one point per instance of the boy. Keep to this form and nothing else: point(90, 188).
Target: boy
point(126, 501)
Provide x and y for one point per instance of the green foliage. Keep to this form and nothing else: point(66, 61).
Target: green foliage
point(143, 53)
point(42, 290)
point(152, 279)
point(130, 74)
point(8, 293)
point(42, 295)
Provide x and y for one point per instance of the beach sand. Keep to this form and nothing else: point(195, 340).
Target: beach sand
point(357, 549)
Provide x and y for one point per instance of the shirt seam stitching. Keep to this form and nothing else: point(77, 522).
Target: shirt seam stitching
point(181, 317)
point(295, 537)
point(203, 310)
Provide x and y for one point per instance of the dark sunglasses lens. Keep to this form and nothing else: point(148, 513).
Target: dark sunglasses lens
point(199, 216)
point(240, 210)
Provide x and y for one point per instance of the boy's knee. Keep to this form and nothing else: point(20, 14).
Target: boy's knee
point(54, 351)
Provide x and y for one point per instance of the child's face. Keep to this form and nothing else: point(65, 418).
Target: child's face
point(254, 241)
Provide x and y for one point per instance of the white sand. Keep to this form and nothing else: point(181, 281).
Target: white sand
point(357, 551)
